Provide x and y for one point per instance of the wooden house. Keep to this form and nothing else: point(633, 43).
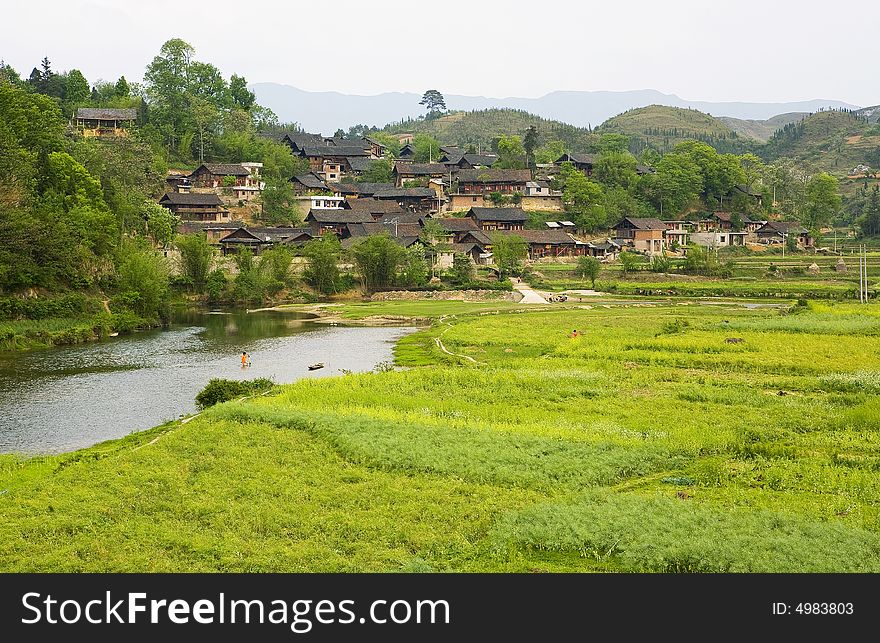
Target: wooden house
point(423, 172)
point(335, 221)
point(411, 199)
point(104, 122)
point(456, 228)
point(407, 153)
point(308, 184)
point(581, 162)
point(644, 235)
point(486, 181)
point(780, 231)
point(195, 207)
point(257, 238)
point(499, 218)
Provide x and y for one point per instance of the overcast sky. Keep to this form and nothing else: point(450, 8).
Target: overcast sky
point(744, 50)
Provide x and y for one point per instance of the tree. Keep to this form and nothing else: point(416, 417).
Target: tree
point(160, 223)
point(676, 184)
point(239, 92)
point(279, 202)
point(613, 143)
point(530, 144)
point(463, 271)
point(167, 83)
point(511, 154)
point(413, 269)
point(822, 201)
point(432, 233)
point(378, 171)
point(869, 222)
point(76, 90)
point(509, 250)
point(588, 268)
point(433, 102)
point(427, 148)
point(143, 281)
point(616, 169)
point(377, 258)
point(583, 198)
point(275, 264)
point(322, 255)
point(628, 261)
point(122, 89)
point(195, 260)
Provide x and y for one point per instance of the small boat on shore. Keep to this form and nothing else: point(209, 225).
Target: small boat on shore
point(315, 367)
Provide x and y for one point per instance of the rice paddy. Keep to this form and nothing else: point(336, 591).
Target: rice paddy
point(667, 438)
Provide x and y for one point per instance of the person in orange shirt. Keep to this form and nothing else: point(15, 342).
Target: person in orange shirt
point(574, 333)
point(245, 360)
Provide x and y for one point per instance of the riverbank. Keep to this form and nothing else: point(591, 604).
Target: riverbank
point(60, 399)
point(664, 438)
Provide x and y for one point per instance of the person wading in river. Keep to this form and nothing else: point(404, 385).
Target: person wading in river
point(245, 360)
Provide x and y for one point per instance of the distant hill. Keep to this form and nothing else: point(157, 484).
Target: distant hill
point(761, 130)
point(482, 128)
point(870, 113)
point(833, 141)
point(661, 128)
point(328, 111)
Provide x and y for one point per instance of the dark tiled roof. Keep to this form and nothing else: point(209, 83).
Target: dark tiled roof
point(465, 247)
point(223, 169)
point(498, 214)
point(403, 193)
point(373, 206)
point(106, 114)
point(494, 176)
point(416, 169)
point(551, 237)
point(785, 227)
point(310, 180)
point(578, 159)
point(327, 151)
point(454, 224)
point(402, 217)
point(193, 198)
point(479, 159)
point(359, 163)
point(645, 224)
point(339, 216)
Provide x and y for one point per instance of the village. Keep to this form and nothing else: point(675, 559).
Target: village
point(462, 191)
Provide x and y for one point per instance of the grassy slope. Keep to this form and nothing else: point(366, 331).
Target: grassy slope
point(663, 127)
point(485, 126)
point(832, 141)
point(761, 130)
point(648, 444)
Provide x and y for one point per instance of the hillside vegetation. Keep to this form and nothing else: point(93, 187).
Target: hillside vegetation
point(662, 128)
point(830, 141)
point(485, 127)
point(761, 130)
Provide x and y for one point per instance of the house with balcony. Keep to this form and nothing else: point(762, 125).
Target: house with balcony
point(104, 122)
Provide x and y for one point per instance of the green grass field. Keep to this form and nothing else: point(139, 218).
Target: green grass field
point(650, 443)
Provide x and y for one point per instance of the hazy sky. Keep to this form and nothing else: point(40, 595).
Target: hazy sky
point(748, 50)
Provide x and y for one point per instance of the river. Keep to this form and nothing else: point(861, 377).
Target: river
point(66, 398)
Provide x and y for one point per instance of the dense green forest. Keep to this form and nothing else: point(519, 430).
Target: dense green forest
point(80, 231)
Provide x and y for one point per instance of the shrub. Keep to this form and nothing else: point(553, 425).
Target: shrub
point(222, 390)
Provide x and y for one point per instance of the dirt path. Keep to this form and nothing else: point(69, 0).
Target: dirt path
point(530, 296)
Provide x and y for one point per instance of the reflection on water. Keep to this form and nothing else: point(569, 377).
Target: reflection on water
point(70, 397)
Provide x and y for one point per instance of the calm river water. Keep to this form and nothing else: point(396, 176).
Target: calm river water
point(66, 398)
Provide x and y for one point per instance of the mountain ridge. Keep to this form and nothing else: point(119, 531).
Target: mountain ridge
point(331, 110)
